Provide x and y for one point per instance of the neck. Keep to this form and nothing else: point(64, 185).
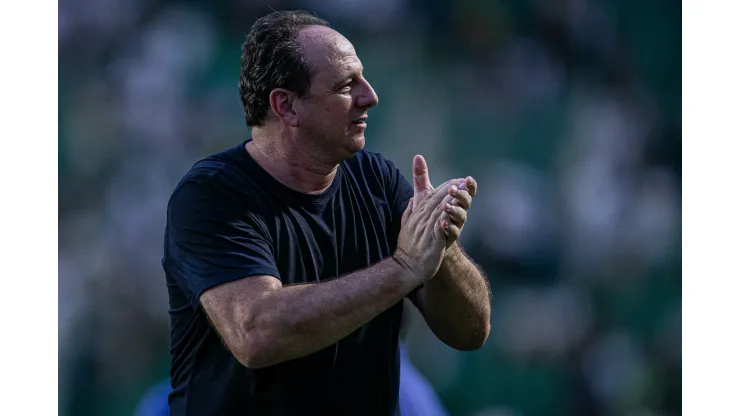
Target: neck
point(290, 163)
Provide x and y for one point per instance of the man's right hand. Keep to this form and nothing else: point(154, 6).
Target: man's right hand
point(422, 240)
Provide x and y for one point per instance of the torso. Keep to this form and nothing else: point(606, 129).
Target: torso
point(350, 226)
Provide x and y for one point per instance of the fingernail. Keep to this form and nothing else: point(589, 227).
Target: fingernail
point(454, 189)
point(448, 207)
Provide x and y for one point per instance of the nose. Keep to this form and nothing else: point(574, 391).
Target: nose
point(368, 98)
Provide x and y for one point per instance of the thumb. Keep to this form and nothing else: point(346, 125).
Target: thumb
point(421, 176)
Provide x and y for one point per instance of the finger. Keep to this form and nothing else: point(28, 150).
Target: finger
point(449, 199)
point(439, 210)
point(440, 234)
point(452, 231)
point(471, 185)
point(422, 184)
point(457, 214)
point(461, 185)
point(439, 194)
point(434, 207)
point(462, 196)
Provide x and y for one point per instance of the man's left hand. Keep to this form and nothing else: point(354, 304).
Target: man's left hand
point(456, 208)
point(455, 204)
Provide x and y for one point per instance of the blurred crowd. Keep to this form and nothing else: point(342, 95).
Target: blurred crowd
point(567, 112)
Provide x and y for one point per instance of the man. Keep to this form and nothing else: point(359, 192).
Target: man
point(288, 256)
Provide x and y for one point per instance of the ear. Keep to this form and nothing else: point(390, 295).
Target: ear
point(281, 103)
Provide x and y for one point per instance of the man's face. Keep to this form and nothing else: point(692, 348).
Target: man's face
point(332, 113)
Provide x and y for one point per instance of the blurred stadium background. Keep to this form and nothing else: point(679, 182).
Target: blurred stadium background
point(566, 111)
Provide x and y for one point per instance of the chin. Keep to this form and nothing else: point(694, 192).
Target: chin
point(356, 143)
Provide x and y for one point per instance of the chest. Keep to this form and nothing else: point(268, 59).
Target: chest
point(346, 233)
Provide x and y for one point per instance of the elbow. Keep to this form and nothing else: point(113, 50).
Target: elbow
point(476, 339)
point(254, 351)
point(255, 341)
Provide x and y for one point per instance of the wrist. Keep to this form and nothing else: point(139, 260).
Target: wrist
point(411, 270)
point(454, 252)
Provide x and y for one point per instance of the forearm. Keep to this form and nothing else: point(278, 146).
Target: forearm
point(457, 303)
point(298, 320)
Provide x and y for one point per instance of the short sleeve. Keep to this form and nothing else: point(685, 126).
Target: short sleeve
point(209, 243)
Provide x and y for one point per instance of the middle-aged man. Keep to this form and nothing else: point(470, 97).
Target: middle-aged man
point(288, 256)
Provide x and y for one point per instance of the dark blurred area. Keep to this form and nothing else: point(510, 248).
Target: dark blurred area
point(567, 112)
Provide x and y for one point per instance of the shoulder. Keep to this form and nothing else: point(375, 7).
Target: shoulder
point(216, 183)
point(200, 184)
point(373, 163)
point(212, 171)
point(380, 175)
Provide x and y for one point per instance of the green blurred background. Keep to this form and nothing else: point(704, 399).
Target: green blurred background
point(567, 112)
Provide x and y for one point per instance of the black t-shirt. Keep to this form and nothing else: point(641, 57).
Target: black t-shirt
point(229, 219)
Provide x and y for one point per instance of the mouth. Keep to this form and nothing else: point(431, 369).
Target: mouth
point(360, 121)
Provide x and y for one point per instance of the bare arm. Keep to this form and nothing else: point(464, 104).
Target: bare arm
point(456, 303)
point(264, 323)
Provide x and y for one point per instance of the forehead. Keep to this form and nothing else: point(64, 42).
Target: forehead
point(328, 52)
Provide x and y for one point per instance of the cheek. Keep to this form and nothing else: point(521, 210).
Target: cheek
point(339, 106)
point(332, 115)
